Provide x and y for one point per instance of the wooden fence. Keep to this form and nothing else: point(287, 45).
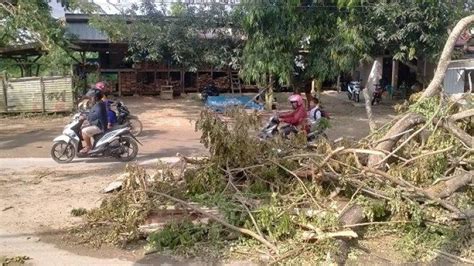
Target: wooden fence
point(36, 94)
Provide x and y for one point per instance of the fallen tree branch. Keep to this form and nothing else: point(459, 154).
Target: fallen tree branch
point(394, 134)
point(219, 220)
point(307, 236)
point(458, 133)
point(376, 223)
point(439, 252)
point(301, 182)
point(413, 135)
point(462, 115)
point(420, 191)
point(242, 202)
point(447, 188)
point(191, 160)
point(427, 154)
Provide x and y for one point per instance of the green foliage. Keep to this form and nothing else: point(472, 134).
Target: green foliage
point(183, 234)
point(185, 36)
point(78, 212)
point(230, 145)
point(417, 241)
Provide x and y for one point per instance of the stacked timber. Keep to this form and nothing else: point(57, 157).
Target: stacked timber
point(222, 83)
point(128, 82)
point(203, 80)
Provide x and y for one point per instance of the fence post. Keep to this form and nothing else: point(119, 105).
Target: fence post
point(43, 96)
point(5, 97)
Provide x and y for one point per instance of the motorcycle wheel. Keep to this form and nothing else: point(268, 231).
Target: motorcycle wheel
point(349, 95)
point(136, 126)
point(373, 100)
point(130, 149)
point(63, 152)
point(356, 98)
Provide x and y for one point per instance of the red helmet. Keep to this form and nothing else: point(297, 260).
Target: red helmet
point(100, 86)
point(296, 98)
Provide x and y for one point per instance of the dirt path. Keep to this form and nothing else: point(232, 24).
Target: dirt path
point(37, 195)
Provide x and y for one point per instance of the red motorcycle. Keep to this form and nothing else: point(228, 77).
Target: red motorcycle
point(377, 94)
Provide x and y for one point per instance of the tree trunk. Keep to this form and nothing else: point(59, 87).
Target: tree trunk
point(445, 58)
point(368, 109)
point(318, 84)
point(411, 119)
point(374, 76)
point(269, 94)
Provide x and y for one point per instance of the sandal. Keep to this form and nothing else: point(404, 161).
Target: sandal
point(85, 150)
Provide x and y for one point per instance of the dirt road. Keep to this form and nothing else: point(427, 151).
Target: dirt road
point(37, 195)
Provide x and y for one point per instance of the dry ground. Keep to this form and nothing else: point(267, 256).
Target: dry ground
point(37, 195)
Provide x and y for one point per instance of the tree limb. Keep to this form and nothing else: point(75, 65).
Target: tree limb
point(445, 58)
point(219, 220)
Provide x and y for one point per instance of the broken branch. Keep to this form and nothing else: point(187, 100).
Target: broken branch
point(219, 220)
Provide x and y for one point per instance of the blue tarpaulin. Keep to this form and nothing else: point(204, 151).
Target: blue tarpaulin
point(220, 103)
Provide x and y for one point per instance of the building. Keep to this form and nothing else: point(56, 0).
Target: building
point(128, 78)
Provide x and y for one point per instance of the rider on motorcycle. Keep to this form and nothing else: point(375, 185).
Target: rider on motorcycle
point(97, 119)
point(297, 118)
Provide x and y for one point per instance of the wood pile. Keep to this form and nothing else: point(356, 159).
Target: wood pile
point(222, 83)
point(203, 80)
point(128, 82)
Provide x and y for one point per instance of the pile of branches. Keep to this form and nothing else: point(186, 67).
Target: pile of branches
point(296, 203)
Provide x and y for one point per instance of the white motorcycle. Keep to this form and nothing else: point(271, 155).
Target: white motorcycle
point(117, 142)
point(353, 90)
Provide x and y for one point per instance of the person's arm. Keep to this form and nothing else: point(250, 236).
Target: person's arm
point(286, 115)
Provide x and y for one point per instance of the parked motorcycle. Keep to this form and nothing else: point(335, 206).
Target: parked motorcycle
point(209, 90)
point(272, 129)
point(125, 118)
point(377, 94)
point(117, 142)
point(353, 90)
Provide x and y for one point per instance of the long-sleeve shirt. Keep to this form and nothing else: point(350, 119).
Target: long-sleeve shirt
point(295, 118)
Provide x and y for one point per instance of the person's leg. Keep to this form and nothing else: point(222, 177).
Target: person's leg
point(87, 134)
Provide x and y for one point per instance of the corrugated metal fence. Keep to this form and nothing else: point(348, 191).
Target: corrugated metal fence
point(36, 94)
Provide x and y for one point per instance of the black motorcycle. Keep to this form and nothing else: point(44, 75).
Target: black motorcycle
point(209, 90)
point(124, 117)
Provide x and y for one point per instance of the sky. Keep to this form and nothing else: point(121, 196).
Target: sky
point(109, 6)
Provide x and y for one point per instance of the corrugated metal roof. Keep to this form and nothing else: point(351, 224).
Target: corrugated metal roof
point(462, 64)
point(84, 32)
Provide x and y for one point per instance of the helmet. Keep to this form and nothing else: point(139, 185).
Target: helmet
point(97, 94)
point(296, 98)
point(100, 86)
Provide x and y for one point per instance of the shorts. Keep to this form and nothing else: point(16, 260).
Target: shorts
point(91, 131)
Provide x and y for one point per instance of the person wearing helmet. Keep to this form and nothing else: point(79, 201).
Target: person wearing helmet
point(87, 98)
point(296, 119)
point(97, 120)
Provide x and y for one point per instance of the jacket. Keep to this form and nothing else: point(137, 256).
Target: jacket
point(98, 116)
point(295, 118)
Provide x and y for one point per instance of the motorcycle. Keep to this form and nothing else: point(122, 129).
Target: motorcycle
point(353, 90)
point(117, 142)
point(377, 94)
point(272, 129)
point(125, 118)
point(209, 90)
